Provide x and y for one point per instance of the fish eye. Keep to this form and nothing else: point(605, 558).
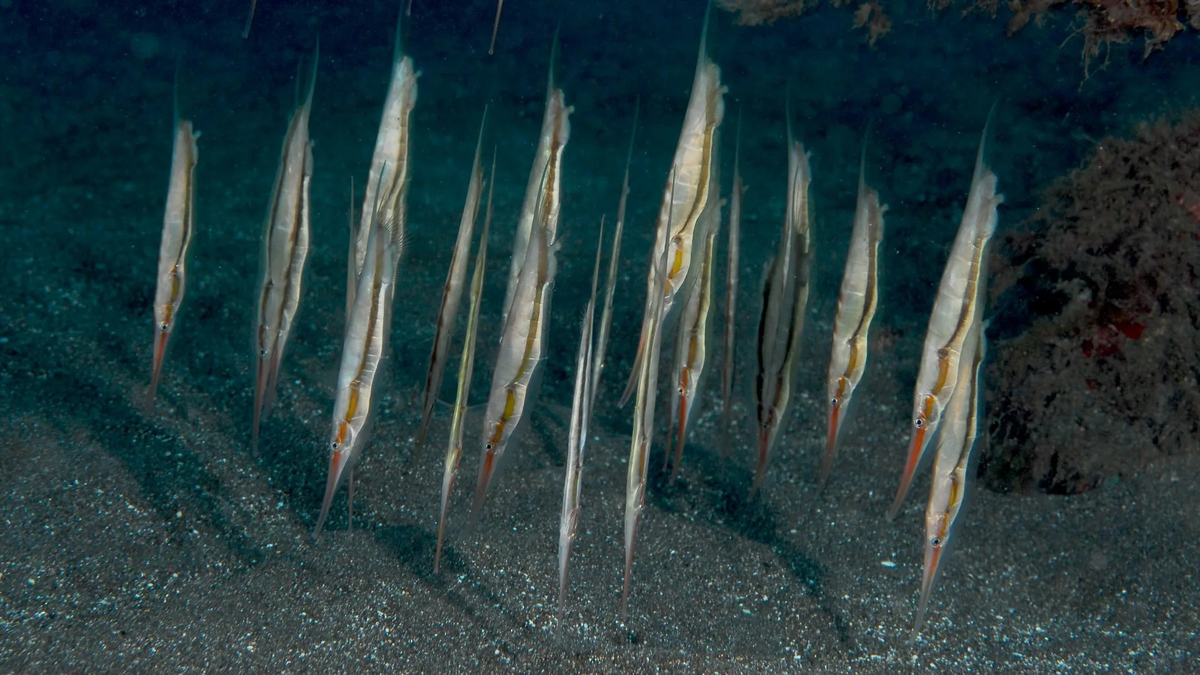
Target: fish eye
point(336, 445)
point(488, 447)
point(936, 541)
point(834, 401)
point(165, 326)
point(919, 423)
point(681, 390)
point(264, 353)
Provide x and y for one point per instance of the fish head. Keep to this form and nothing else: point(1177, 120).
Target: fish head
point(162, 333)
point(687, 387)
point(926, 415)
point(937, 528)
point(839, 397)
point(343, 438)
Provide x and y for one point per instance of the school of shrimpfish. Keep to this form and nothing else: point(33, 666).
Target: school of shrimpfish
point(679, 296)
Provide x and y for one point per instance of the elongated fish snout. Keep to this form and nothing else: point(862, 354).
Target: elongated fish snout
point(486, 469)
point(919, 440)
point(764, 449)
point(680, 432)
point(160, 351)
point(933, 556)
point(262, 377)
point(836, 405)
point(339, 461)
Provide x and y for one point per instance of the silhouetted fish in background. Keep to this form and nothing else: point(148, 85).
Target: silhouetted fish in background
point(285, 242)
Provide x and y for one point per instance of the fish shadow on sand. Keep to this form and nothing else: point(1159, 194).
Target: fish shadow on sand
point(413, 547)
point(91, 383)
point(456, 586)
point(286, 455)
point(167, 467)
point(719, 491)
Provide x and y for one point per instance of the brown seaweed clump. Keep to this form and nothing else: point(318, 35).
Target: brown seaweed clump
point(868, 14)
point(1101, 23)
point(1104, 380)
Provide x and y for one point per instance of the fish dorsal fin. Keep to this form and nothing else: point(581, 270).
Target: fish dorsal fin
point(312, 77)
point(553, 63)
point(175, 92)
point(487, 212)
point(737, 145)
point(352, 233)
point(981, 163)
point(637, 111)
point(862, 162)
point(787, 113)
point(249, 20)
point(596, 268)
point(398, 45)
point(477, 165)
point(703, 55)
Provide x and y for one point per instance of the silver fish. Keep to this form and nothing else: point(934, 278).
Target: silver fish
point(284, 251)
point(610, 285)
point(363, 350)
point(857, 300)
point(452, 292)
point(519, 362)
point(785, 299)
point(686, 195)
point(731, 293)
point(466, 368)
point(951, 318)
point(581, 412)
point(951, 477)
point(178, 228)
point(543, 193)
point(389, 170)
point(691, 345)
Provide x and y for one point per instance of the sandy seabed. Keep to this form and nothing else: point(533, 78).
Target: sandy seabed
point(158, 540)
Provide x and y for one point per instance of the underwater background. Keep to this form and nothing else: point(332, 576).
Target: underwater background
point(138, 539)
